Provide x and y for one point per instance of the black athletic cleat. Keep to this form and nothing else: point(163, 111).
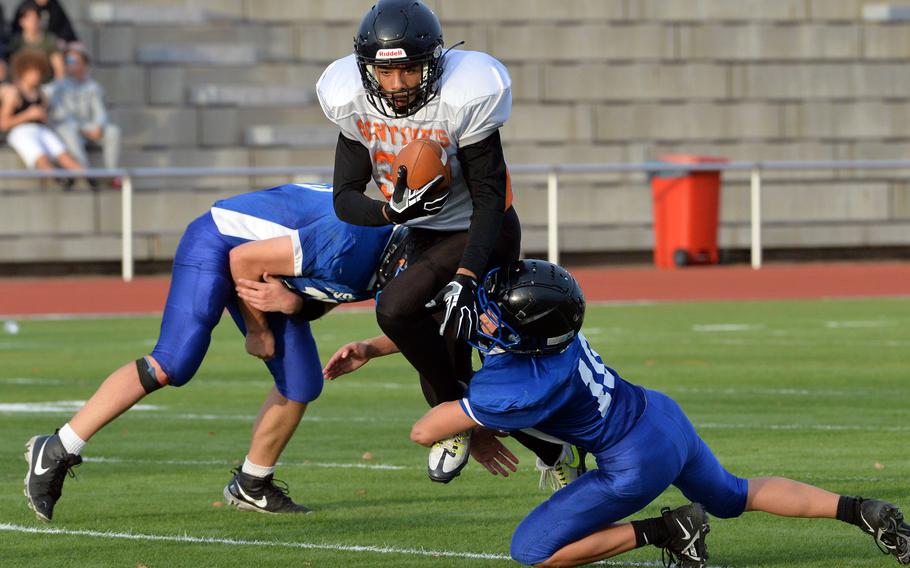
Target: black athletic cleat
point(886, 524)
point(688, 526)
point(48, 465)
point(260, 494)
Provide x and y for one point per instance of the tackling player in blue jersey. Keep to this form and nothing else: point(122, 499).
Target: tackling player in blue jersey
point(289, 230)
point(542, 376)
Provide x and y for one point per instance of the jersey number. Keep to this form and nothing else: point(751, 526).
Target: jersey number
point(596, 376)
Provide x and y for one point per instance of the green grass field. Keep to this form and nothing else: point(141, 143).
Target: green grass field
point(813, 390)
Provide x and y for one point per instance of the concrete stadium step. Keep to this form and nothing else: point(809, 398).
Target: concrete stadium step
point(169, 85)
point(226, 126)
point(110, 12)
point(882, 12)
point(291, 135)
point(208, 54)
point(141, 12)
point(252, 95)
point(9, 161)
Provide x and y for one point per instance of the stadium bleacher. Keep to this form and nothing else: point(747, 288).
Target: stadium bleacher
point(230, 83)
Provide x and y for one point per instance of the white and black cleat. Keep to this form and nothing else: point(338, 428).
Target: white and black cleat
point(260, 494)
point(885, 523)
point(48, 466)
point(448, 457)
point(688, 526)
point(569, 467)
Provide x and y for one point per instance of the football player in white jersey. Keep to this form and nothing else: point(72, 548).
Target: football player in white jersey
point(398, 85)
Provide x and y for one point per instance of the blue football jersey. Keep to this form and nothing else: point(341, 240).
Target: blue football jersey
point(333, 260)
point(570, 396)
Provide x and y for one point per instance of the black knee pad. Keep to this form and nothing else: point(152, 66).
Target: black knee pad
point(148, 378)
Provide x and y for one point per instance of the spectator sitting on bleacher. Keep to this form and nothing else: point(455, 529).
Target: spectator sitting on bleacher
point(31, 37)
point(23, 116)
point(78, 113)
point(53, 20)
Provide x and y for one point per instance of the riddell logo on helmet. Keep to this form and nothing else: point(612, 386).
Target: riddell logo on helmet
point(391, 53)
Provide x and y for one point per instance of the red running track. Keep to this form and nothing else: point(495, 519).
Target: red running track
point(41, 296)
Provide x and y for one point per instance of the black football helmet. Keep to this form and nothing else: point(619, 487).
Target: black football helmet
point(399, 32)
point(537, 308)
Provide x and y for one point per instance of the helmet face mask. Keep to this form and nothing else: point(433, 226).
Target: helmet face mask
point(399, 33)
point(529, 307)
point(493, 332)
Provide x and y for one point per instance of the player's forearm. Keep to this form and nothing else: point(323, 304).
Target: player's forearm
point(250, 261)
point(380, 346)
point(352, 206)
point(482, 237)
point(353, 171)
point(442, 421)
point(484, 168)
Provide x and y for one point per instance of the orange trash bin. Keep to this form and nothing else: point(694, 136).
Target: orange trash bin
point(686, 207)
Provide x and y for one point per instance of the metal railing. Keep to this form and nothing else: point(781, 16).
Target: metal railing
point(551, 171)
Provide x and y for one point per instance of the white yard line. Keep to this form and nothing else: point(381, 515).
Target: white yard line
point(375, 466)
point(857, 324)
point(370, 549)
point(185, 538)
point(724, 327)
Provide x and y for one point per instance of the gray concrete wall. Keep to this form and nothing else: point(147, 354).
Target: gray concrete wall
point(594, 81)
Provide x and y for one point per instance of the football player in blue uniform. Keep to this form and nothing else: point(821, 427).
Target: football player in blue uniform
point(542, 376)
point(288, 230)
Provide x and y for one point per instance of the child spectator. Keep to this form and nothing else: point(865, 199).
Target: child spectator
point(52, 17)
point(78, 113)
point(23, 115)
point(32, 37)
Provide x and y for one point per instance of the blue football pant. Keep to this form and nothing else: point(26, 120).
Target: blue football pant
point(662, 449)
point(201, 288)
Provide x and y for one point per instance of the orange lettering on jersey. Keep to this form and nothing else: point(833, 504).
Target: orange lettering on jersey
point(414, 133)
point(385, 161)
point(364, 130)
point(379, 129)
point(443, 138)
point(426, 133)
point(393, 130)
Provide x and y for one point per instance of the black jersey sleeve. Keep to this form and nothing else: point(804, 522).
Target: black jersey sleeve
point(353, 171)
point(484, 169)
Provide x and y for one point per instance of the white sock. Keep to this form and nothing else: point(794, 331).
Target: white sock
point(72, 443)
point(250, 468)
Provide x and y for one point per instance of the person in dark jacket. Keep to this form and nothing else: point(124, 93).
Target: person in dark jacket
point(53, 20)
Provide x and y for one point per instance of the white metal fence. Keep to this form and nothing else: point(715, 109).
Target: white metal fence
point(551, 171)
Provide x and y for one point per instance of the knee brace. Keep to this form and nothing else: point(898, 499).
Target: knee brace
point(148, 378)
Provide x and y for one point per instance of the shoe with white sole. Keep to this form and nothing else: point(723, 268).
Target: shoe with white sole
point(448, 457)
point(568, 468)
point(260, 494)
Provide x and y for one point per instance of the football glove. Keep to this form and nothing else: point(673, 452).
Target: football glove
point(459, 298)
point(407, 204)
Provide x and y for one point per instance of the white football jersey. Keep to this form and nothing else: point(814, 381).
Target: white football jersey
point(474, 100)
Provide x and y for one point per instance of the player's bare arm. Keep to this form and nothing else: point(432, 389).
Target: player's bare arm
point(250, 261)
point(448, 419)
point(269, 295)
point(442, 421)
point(356, 354)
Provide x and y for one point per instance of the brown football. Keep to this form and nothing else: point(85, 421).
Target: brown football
point(425, 159)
